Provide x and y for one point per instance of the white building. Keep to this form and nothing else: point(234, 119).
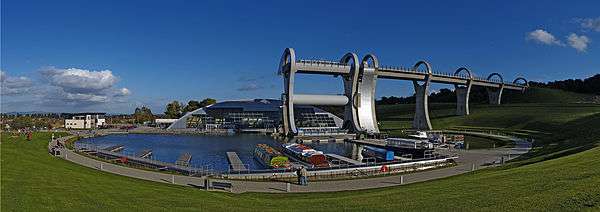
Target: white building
point(85, 121)
point(164, 123)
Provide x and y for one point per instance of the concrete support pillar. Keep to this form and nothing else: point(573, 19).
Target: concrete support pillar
point(462, 101)
point(421, 120)
point(357, 152)
point(462, 93)
point(495, 94)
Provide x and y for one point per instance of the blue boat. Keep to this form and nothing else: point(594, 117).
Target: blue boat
point(379, 153)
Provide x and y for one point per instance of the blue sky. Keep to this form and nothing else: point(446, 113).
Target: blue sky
point(112, 56)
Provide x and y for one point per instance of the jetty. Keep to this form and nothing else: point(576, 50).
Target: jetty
point(345, 159)
point(235, 164)
point(144, 153)
point(184, 159)
point(115, 148)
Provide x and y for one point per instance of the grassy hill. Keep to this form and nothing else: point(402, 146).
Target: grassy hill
point(562, 173)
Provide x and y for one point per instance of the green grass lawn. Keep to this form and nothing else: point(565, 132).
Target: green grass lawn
point(561, 173)
point(483, 143)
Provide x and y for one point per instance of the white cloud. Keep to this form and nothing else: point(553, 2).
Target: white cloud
point(543, 37)
point(64, 90)
point(80, 80)
point(12, 86)
point(250, 87)
point(578, 42)
point(125, 91)
point(591, 23)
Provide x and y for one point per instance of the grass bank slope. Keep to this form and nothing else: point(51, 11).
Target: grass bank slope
point(33, 180)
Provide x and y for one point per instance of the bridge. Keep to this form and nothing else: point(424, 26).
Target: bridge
point(359, 79)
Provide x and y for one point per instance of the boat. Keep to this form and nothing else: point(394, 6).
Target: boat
point(270, 157)
point(407, 143)
point(379, 153)
point(307, 154)
point(420, 135)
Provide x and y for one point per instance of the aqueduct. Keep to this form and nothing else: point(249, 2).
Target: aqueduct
point(360, 77)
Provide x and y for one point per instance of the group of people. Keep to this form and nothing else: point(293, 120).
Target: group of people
point(302, 174)
point(57, 146)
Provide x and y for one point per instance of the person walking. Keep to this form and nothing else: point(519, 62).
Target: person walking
point(299, 175)
point(304, 174)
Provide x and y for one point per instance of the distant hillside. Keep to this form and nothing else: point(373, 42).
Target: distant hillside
point(589, 85)
point(546, 95)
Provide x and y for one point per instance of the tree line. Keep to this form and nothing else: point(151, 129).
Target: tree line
point(173, 110)
point(590, 85)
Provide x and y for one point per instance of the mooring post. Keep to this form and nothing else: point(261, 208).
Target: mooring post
point(288, 187)
point(206, 184)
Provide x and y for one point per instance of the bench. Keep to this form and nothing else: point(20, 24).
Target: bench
point(221, 185)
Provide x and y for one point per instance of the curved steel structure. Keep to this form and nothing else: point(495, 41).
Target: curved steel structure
point(495, 94)
point(462, 93)
point(360, 79)
point(522, 79)
point(496, 74)
point(287, 67)
point(421, 120)
point(364, 99)
point(351, 117)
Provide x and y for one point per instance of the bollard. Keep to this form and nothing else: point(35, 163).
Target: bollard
point(473, 168)
point(287, 187)
point(206, 184)
point(173, 179)
point(66, 158)
point(401, 179)
point(101, 167)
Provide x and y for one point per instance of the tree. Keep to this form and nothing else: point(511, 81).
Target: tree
point(207, 102)
point(142, 115)
point(193, 104)
point(173, 110)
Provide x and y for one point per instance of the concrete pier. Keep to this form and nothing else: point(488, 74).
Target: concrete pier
point(144, 153)
point(421, 120)
point(184, 159)
point(462, 93)
point(345, 159)
point(235, 163)
point(115, 148)
point(495, 94)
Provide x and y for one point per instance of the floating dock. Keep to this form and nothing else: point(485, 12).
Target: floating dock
point(235, 163)
point(184, 159)
point(144, 153)
point(115, 148)
point(345, 159)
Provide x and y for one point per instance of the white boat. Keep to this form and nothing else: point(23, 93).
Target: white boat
point(420, 135)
